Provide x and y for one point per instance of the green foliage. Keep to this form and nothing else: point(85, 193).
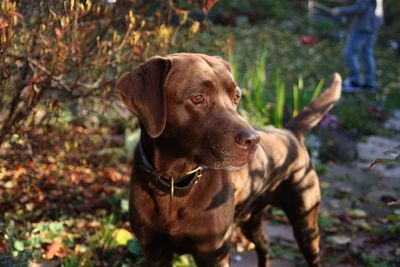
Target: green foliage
point(264, 104)
point(370, 261)
point(279, 102)
point(252, 81)
point(275, 8)
point(321, 168)
point(183, 261)
point(325, 221)
point(103, 239)
point(278, 213)
point(62, 117)
point(121, 201)
point(270, 9)
point(393, 222)
point(17, 247)
point(323, 25)
point(131, 140)
point(48, 231)
point(133, 247)
point(282, 251)
point(353, 114)
point(392, 99)
point(346, 178)
point(74, 261)
point(73, 51)
point(102, 245)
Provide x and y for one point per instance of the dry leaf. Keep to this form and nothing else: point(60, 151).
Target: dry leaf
point(356, 213)
point(339, 239)
point(208, 4)
point(55, 249)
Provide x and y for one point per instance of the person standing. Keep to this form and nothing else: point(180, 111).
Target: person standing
point(367, 20)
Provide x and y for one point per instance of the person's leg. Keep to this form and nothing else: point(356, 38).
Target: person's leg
point(350, 54)
point(367, 52)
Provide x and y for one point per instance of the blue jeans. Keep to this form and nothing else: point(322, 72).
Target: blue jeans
point(361, 42)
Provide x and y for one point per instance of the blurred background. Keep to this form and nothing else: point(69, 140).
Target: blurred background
point(66, 140)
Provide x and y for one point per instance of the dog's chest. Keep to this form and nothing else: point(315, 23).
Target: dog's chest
point(209, 207)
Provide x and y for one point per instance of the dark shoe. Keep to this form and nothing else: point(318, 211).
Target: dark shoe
point(368, 88)
point(350, 86)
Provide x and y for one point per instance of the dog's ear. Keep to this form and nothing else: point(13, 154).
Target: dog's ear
point(226, 64)
point(143, 93)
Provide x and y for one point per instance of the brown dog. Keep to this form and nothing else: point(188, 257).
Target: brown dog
point(199, 167)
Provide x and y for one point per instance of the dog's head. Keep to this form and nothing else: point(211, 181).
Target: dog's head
point(190, 100)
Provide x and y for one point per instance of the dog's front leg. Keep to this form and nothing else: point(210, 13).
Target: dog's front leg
point(157, 254)
point(157, 258)
point(218, 258)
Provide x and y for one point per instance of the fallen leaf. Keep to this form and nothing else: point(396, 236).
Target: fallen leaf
point(3, 247)
point(134, 247)
point(9, 184)
point(58, 32)
point(122, 236)
point(339, 239)
point(3, 25)
point(80, 249)
point(20, 170)
point(19, 245)
point(55, 249)
point(356, 213)
point(362, 224)
point(208, 4)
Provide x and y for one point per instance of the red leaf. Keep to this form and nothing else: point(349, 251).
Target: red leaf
point(180, 11)
point(114, 175)
point(3, 25)
point(307, 40)
point(3, 247)
point(58, 32)
point(36, 79)
point(378, 161)
point(18, 14)
point(55, 249)
point(136, 51)
point(208, 4)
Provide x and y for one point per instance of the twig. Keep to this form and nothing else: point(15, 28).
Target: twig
point(322, 7)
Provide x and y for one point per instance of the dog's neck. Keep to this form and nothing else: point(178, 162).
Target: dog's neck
point(164, 159)
point(180, 185)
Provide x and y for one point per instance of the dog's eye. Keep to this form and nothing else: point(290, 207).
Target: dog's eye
point(198, 99)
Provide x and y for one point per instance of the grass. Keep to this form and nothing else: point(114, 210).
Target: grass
point(271, 102)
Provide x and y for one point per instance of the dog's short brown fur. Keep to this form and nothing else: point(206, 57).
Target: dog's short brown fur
point(186, 104)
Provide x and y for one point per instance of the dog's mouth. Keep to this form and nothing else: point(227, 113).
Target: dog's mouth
point(235, 168)
point(228, 160)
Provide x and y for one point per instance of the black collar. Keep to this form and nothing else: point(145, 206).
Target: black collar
point(175, 186)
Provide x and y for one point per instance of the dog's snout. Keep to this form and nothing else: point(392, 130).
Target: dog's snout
point(247, 139)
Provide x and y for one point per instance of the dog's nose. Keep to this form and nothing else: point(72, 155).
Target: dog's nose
point(247, 139)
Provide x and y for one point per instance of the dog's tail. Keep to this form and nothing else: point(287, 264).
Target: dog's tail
point(313, 113)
